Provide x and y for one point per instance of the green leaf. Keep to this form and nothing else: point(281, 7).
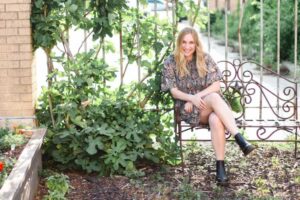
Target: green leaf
point(78, 121)
point(73, 8)
point(93, 143)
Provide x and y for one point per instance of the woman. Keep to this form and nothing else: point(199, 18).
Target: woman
point(193, 79)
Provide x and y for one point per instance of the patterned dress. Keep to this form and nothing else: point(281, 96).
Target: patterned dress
point(190, 84)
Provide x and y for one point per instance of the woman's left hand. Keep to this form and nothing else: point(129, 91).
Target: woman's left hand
point(188, 107)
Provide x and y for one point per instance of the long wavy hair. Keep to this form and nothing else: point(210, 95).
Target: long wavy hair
point(180, 60)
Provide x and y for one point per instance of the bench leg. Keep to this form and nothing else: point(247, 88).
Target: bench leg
point(179, 133)
point(296, 143)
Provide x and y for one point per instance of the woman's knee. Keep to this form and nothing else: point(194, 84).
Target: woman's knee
point(214, 120)
point(212, 97)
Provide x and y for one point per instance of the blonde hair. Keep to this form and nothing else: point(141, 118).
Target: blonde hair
point(180, 60)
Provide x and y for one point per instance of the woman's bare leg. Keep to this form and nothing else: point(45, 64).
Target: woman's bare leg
point(217, 135)
point(217, 132)
point(218, 141)
point(217, 104)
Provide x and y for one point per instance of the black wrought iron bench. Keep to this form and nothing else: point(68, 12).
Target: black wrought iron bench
point(267, 112)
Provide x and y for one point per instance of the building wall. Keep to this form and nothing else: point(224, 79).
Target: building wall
point(17, 71)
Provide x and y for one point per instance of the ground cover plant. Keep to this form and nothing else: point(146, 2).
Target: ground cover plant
point(11, 145)
point(271, 172)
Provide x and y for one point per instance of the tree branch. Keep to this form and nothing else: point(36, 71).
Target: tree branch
point(84, 41)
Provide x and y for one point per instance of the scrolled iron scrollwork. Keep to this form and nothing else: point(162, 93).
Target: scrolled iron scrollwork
point(263, 130)
point(289, 91)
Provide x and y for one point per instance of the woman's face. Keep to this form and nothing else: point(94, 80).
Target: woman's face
point(188, 46)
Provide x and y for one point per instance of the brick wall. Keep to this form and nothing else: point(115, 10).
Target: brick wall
point(17, 71)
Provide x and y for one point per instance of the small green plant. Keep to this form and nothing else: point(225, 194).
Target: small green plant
point(297, 176)
point(58, 187)
point(187, 191)
point(8, 139)
point(275, 163)
point(262, 187)
point(3, 132)
point(193, 146)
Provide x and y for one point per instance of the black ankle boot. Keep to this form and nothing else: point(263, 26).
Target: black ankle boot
point(221, 177)
point(244, 145)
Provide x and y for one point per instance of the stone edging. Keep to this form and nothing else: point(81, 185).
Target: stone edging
point(22, 182)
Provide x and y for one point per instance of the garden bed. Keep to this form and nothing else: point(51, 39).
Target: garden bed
point(270, 172)
point(22, 180)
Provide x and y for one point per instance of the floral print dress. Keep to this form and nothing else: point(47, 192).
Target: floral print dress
point(190, 84)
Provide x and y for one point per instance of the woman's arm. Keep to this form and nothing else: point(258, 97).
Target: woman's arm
point(214, 87)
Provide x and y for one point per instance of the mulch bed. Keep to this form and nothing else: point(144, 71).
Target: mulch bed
point(268, 173)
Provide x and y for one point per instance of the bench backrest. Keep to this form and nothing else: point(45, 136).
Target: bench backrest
point(267, 97)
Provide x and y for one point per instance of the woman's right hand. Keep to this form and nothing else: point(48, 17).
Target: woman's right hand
point(198, 102)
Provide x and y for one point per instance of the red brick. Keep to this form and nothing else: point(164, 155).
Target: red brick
point(24, 15)
point(1, 7)
point(26, 97)
point(26, 56)
point(8, 31)
point(9, 97)
point(2, 40)
point(18, 23)
point(3, 72)
point(25, 48)
point(3, 56)
point(9, 64)
point(26, 80)
point(19, 40)
point(17, 7)
point(24, 31)
point(25, 63)
point(15, 106)
point(15, 56)
point(9, 81)
point(9, 15)
point(2, 24)
point(15, 1)
point(18, 113)
point(15, 89)
point(8, 48)
point(4, 90)
point(18, 72)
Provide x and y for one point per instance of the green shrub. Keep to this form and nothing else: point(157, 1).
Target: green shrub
point(58, 187)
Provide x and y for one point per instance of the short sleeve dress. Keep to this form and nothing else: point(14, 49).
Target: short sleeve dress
point(190, 84)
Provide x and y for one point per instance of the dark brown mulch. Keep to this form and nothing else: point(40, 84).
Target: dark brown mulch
point(14, 154)
point(269, 173)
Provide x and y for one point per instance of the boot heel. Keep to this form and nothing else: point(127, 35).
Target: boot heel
point(221, 177)
point(245, 146)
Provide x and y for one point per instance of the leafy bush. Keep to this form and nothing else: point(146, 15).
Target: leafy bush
point(108, 136)
point(117, 129)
